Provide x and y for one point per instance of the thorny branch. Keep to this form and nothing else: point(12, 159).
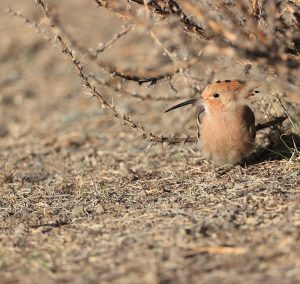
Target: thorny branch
point(119, 89)
point(92, 53)
point(125, 119)
point(274, 121)
point(165, 9)
point(32, 25)
point(141, 80)
point(103, 47)
point(152, 79)
point(269, 53)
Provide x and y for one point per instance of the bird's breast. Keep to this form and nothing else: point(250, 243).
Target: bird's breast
point(225, 137)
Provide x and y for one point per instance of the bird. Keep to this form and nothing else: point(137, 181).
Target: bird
point(225, 123)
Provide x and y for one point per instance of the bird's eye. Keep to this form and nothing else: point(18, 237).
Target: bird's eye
point(216, 95)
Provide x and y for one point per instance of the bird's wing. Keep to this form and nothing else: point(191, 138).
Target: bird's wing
point(200, 116)
point(249, 118)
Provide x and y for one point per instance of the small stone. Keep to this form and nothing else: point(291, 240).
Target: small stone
point(78, 210)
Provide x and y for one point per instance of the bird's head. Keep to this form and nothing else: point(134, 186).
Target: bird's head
point(227, 94)
point(223, 95)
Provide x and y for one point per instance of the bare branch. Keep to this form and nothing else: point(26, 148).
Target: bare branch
point(32, 25)
point(170, 7)
point(121, 91)
point(266, 52)
point(102, 47)
point(273, 122)
point(124, 119)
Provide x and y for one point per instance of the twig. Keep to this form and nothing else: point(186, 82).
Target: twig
point(32, 25)
point(275, 121)
point(151, 79)
point(138, 78)
point(57, 224)
point(102, 47)
point(269, 54)
point(93, 53)
point(142, 80)
point(121, 91)
point(171, 7)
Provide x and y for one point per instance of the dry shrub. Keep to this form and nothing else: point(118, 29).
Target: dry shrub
point(196, 42)
point(7, 174)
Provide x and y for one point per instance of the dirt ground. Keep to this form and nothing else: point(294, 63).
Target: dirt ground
point(83, 200)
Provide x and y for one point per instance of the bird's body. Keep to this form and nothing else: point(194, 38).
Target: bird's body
point(226, 125)
point(227, 137)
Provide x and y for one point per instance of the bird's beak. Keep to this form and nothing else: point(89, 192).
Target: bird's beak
point(191, 101)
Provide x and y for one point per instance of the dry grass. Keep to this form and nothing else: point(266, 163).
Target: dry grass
point(7, 173)
point(83, 196)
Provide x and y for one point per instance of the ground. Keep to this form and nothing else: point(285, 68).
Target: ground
point(84, 200)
